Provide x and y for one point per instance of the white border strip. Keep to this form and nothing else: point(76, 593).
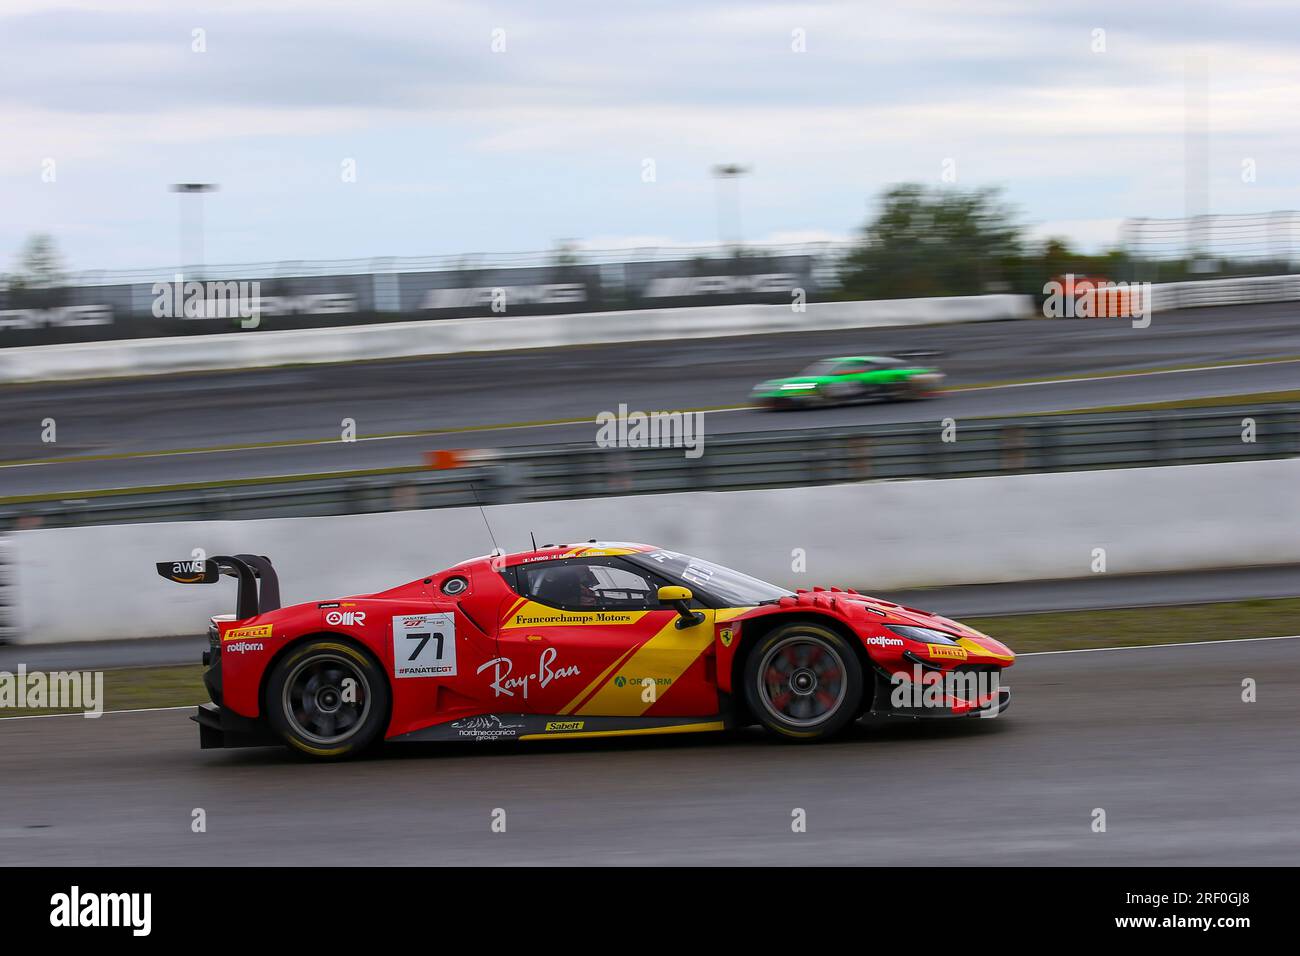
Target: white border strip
point(417, 337)
point(78, 713)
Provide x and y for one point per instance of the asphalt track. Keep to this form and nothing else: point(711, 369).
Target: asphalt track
point(135, 426)
point(1158, 738)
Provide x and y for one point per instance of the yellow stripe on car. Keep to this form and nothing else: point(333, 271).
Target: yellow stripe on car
point(662, 659)
point(976, 648)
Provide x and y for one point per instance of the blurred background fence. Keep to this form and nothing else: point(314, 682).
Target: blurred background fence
point(923, 243)
point(1241, 244)
point(735, 461)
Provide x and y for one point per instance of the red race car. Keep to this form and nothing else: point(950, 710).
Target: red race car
point(589, 640)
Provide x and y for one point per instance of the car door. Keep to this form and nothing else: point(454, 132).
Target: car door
point(587, 636)
point(852, 381)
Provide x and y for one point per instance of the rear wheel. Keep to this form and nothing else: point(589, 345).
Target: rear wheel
point(803, 681)
point(901, 391)
point(920, 388)
point(327, 699)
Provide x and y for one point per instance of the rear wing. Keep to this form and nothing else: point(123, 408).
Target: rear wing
point(251, 570)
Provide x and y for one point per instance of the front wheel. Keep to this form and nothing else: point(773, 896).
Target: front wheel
point(803, 681)
point(327, 699)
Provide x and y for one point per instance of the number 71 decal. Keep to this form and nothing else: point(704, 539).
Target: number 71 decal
point(424, 645)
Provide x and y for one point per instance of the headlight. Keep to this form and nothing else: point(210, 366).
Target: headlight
point(926, 635)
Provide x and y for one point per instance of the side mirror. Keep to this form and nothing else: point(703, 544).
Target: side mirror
point(680, 598)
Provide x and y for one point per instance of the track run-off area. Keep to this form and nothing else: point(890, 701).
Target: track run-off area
point(1157, 737)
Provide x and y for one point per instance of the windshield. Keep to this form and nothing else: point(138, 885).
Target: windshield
point(824, 367)
point(731, 587)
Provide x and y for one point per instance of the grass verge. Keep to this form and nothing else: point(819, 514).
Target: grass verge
point(1122, 627)
point(1210, 401)
point(129, 688)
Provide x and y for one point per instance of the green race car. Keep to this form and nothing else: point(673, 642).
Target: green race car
point(855, 378)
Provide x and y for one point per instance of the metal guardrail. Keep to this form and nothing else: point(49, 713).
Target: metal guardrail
point(8, 590)
point(731, 462)
point(1268, 239)
point(1241, 237)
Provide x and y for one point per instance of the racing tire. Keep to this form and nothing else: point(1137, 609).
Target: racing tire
point(311, 707)
point(803, 682)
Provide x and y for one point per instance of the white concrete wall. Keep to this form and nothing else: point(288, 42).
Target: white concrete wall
point(259, 349)
point(100, 583)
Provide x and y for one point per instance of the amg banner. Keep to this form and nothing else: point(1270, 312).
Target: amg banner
point(529, 291)
point(182, 305)
point(742, 279)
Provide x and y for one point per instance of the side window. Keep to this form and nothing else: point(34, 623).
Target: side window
point(595, 585)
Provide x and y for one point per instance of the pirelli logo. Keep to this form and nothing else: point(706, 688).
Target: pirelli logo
point(561, 725)
point(245, 633)
point(946, 651)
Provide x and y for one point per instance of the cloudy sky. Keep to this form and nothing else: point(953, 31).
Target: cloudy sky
point(460, 147)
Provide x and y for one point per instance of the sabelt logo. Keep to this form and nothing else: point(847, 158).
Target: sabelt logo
point(554, 725)
point(240, 633)
point(946, 651)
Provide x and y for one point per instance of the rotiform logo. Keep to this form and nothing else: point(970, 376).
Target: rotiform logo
point(243, 647)
point(75, 908)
